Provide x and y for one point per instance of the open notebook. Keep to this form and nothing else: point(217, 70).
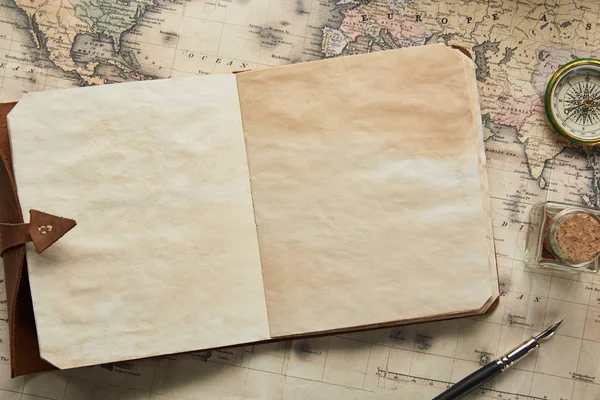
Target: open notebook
point(222, 210)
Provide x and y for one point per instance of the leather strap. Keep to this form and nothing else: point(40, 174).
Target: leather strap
point(24, 348)
point(12, 235)
point(43, 230)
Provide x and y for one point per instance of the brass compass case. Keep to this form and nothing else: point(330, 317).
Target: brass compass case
point(580, 102)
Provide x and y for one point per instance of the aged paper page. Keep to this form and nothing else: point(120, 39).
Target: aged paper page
point(164, 257)
point(366, 187)
point(483, 173)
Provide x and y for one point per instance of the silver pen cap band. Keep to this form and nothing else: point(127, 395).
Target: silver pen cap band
point(516, 354)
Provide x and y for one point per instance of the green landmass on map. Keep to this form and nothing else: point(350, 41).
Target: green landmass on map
point(515, 45)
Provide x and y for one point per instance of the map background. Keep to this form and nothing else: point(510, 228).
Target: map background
point(517, 45)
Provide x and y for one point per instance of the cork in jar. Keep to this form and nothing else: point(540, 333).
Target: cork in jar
point(578, 237)
point(563, 236)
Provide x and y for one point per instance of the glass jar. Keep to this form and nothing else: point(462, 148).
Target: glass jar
point(543, 248)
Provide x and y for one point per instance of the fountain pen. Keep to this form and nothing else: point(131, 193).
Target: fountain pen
point(496, 367)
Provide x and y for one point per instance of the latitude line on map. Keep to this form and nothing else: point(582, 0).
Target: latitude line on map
point(353, 387)
point(515, 249)
point(379, 370)
point(304, 43)
point(181, 16)
point(220, 36)
point(455, 357)
point(535, 364)
point(368, 361)
point(326, 355)
point(594, 33)
point(549, 273)
point(260, 48)
point(505, 234)
point(14, 27)
point(587, 310)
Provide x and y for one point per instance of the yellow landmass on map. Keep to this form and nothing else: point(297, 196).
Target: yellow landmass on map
point(54, 26)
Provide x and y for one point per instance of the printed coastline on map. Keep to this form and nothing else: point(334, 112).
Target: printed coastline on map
point(516, 45)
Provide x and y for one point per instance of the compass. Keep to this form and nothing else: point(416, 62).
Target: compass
point(572, 101)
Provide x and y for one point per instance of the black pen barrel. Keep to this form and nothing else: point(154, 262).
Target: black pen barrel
point(471, 382)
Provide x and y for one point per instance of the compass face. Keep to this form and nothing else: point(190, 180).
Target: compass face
point(575, 102)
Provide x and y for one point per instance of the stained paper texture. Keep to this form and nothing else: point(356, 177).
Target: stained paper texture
point(367, 189)
point(164, 257)
point(221, 210)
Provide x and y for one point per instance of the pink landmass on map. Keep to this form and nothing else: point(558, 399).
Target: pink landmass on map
point(514, 111)
point(401, 25)
point(353, 23)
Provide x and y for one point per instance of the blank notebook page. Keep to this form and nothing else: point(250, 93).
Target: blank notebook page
point(164, 257)
point(221, 210)
point(367, 189)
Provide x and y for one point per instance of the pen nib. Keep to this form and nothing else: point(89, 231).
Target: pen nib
point(547, 334)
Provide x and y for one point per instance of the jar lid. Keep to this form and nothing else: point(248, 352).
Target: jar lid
point(575, 236)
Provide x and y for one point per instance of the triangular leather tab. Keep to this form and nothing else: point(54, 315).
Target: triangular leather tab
point(46, 229)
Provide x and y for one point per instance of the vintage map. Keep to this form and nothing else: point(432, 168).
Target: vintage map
point(517, 44)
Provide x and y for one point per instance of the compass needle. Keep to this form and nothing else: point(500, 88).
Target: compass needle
point(572, 101)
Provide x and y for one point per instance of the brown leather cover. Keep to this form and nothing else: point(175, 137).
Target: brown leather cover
point(24, 348)
point(12, 235)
